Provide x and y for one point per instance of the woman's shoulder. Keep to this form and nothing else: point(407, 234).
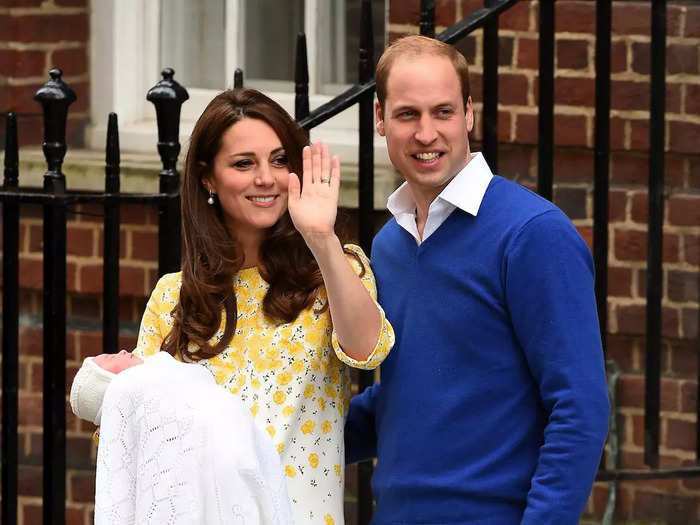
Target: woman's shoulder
point(167, 289)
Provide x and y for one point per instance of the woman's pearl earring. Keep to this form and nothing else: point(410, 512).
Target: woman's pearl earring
point(210, 200)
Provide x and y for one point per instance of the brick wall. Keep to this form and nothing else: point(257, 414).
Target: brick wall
point(668, 501)
point(36, 35)
point(23, 66)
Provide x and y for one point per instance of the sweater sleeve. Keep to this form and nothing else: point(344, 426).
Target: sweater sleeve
point(548, 274)
point(385, 341)
point(360, 426)
point(157, 321)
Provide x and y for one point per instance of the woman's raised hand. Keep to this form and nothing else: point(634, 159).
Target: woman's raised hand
point(313, 208)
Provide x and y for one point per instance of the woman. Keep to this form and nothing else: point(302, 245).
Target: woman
point(268, 299)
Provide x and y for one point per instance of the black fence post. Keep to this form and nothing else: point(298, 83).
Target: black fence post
point(545, 114)
point(427, 18)
point(490, 91)
point(167, 96)
point(110, 266)
point(366, 214)
point(238, 78)
point(655, 242)
point(10, 324)
point(301, 80)
point(55, 97)
point(601, 166)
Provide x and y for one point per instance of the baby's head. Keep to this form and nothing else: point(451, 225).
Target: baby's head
point(92, 380)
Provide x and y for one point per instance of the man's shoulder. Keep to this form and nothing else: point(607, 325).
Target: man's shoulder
point(516, 198)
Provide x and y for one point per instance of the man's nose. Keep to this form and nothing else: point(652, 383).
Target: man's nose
point(426, 132)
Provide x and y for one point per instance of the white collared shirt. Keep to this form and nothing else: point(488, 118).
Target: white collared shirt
point(465, 191)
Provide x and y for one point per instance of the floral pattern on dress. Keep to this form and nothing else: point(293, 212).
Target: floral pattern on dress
point(294, 378)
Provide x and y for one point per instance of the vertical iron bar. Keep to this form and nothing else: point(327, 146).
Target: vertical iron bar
point(238, 78)
point(366, 217)
point(602, 159)
point(168, 96)
point(10, 325)
point(655, 243)
point(545, 125)
point(301, 80)
point(427, 18)
point(490, 91)
point(55, 97)
point(110, 273)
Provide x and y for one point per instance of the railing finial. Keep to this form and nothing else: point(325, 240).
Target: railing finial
point(238, 78)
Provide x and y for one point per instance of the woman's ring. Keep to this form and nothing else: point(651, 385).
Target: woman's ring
point(326, 181)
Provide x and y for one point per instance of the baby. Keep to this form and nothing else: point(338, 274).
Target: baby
point(175, 447)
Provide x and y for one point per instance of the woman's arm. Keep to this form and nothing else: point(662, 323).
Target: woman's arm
point(356, 318)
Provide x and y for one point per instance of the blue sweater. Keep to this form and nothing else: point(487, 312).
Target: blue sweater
point(492, 406)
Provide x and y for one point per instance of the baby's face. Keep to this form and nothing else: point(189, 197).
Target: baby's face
point(116, 363)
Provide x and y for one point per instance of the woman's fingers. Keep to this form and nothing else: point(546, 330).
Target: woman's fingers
point(335, 173)
point(306, 165)
point(316, 162)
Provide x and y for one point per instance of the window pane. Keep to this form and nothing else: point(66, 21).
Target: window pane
point(340, 27)
point(271, 28)
point(193, 41)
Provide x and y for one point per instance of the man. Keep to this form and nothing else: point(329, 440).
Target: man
point(492, 407)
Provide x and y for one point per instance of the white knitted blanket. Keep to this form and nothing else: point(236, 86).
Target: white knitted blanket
point(176, 448)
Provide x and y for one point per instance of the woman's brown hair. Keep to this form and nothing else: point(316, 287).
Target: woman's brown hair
point(211, 254)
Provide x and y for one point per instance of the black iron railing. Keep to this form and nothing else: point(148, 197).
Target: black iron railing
point(168, 97)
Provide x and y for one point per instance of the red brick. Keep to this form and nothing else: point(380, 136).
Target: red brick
point(683, 286)
point(31, 341)
point(691, 243)
point(573, 164)
point(689, 396)
point(71, 3)
point(639, 134)
point(619, 282)
point(29, 482)
point(19, 99)
point(36, 238)
point(685, 137)
point(445, 13)
point(630, 19)
point(683, 358)
point(138, 214)
point(674, 13)
point(90, 344)
point(574, 91)
point(503, 135)
point(682, 58)
point(617, 200)
point(689, 321)
point(641, 57)
point(71, 61)
point(528, 53)
point(516, 17)
point(692, 21)
point(30, 410)
point(505, 51)
point(31, 274)
point(640, 208)
point(469, 6)
point(673, 97)
point(631, 392)
point(20, 3)
point(90, 279)
point(684, 210)
point(631, 319)
point(617, 133)
point(572, 54)
point(680, 434)
point(404, 11)
point(512, 89)
point(131, 280)
point(618, 57)
point(692, 99)
point(19, 64)
point(571, 200)
point(79, 241)
point(82, 487)
point(144, 245)
point(31, 512)
point(629, 168)
point(84, 305)
point(122, 244)
point(575, 17)
point(50, 28)
point(515, 161)
point(526, 129)
point(586, 234)
point(467, 46)
point(624, 351)
point(629, 95)
point(694, 172)
point(570, 130)
point(36, 376)
point(78, 450)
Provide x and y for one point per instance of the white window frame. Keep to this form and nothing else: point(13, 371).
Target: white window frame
point(124, 61)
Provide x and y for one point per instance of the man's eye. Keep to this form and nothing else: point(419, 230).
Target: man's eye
point(445, 112)
point(406, 114)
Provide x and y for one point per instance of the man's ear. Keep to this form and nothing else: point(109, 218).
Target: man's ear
point(379, 118)
point(469, 115)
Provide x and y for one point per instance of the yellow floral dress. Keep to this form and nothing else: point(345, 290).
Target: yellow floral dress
point(294, 378)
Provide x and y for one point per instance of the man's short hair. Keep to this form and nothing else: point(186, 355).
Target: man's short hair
point(415, 45)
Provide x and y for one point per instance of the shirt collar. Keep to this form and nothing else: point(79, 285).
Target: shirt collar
point(465, 191)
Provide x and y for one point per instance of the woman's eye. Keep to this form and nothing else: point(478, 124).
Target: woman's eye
point(280, 160)
point(242, 164)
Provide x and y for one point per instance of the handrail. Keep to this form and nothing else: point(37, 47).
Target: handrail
point(450, 35)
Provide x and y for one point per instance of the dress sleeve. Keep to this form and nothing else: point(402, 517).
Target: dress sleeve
point(385, 341)
point(157, 321)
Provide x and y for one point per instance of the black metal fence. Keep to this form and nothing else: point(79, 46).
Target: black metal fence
point(55, 97)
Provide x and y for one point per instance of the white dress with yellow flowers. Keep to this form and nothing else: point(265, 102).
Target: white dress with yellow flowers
point(293, 377)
